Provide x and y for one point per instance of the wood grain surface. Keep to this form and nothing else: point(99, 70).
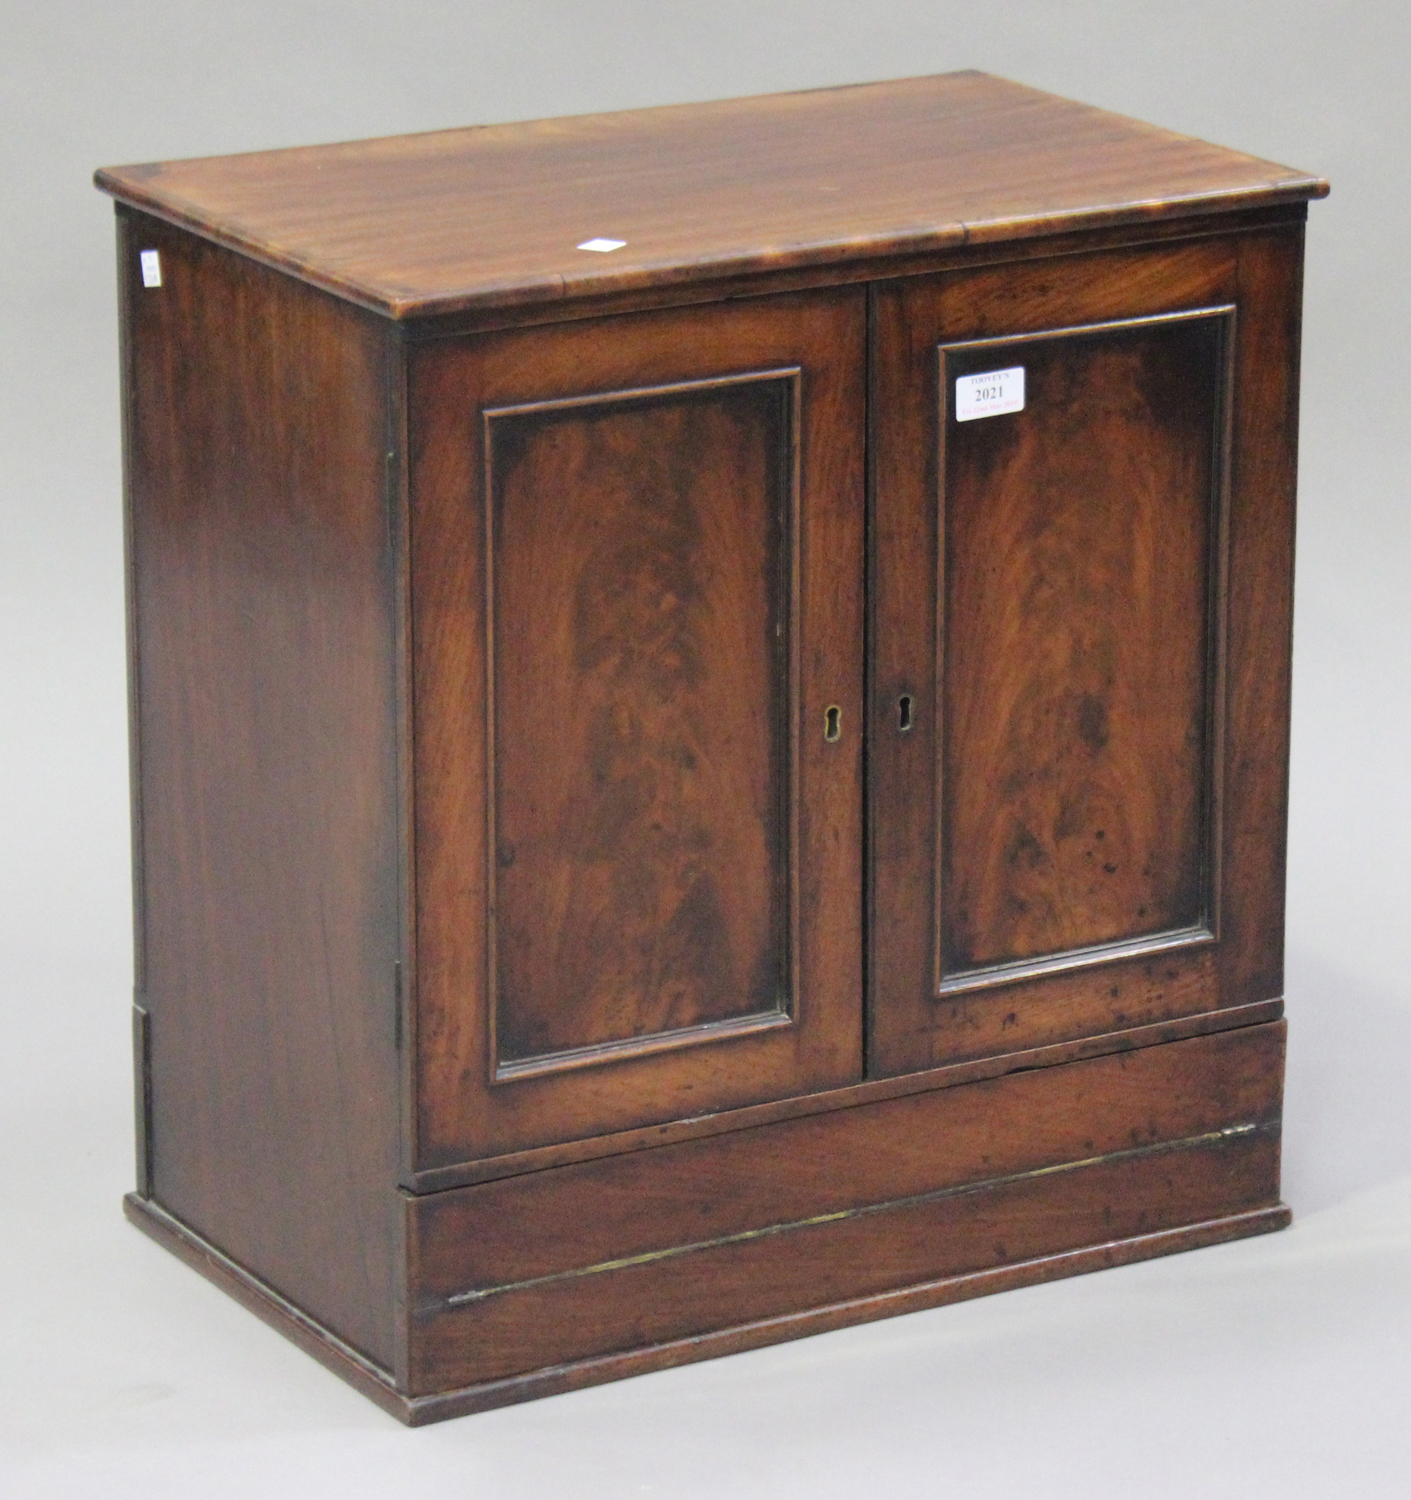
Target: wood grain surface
point(1075, 686)
point(642, 588)
point(803, 1214)
point(472, 1240)
point(264, 729)
point(859, 1257)
point(640, 633)
point(991, 1060)
point(382, 1387)
point(1206, 659)
point(1264, 464)
point(493, 216)
point(741, 850)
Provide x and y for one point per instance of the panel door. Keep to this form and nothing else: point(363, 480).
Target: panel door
point(1083, 513)
point(636, 582)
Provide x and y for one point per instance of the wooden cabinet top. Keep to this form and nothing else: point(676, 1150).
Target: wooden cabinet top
point(496, 216)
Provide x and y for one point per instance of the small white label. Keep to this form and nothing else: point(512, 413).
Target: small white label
point(602, 246)
point(989, 395)
point(151, 268)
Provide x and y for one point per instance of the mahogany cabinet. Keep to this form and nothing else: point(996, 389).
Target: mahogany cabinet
point(710, 719)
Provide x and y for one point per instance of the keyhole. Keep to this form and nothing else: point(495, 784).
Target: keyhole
point(832, 722)
point(904, 712)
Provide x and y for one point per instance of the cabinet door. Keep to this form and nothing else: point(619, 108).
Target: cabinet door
point(636, 584)
point(1082, 490)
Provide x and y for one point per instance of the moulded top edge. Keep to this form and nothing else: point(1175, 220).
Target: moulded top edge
point(591, 205)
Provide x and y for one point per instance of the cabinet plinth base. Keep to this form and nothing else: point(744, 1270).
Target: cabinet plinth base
point(416, 1411)
point(266, 1303)
point(549, 1382)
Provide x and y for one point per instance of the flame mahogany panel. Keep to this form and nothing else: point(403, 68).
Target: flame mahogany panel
point(1075, 682)
point(640, 659)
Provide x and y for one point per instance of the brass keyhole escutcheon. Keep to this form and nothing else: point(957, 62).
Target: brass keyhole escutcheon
point(832, 722)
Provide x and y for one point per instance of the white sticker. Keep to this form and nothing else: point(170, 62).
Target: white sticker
point(990, 394)
point(151, 268)
point(602, 246)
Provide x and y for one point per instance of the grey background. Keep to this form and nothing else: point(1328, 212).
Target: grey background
point(1272, 1367)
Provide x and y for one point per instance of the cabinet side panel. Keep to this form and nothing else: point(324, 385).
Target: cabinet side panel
point(263, 638)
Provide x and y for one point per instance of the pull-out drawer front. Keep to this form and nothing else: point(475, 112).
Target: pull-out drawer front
point(637, 1251)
